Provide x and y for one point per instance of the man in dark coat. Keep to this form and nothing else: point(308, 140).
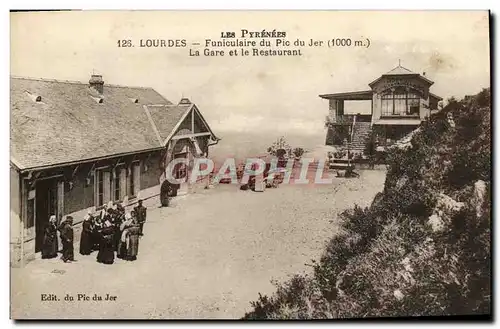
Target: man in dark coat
point(140, 212)
point(67, 239)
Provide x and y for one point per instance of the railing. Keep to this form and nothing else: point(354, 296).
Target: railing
point(352, 128)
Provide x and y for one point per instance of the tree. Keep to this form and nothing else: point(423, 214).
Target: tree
point(298, 152)
point(280, 148)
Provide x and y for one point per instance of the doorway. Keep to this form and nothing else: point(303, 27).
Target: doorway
point(46, 205)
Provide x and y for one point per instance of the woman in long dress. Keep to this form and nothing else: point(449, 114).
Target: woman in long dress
point(119, 218)
point(122, 243)
point(106, 253)
point(50, 246)
point(86, 239)
point(96, 232)
point(133, 241)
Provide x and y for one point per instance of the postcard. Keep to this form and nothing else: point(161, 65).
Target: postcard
point(250, 165)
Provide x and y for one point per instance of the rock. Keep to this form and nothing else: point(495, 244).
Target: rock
point(406, 264)
point(401, 182)
point(398, 294)
point(436, 223)
point(445, 206)
point(478, 197)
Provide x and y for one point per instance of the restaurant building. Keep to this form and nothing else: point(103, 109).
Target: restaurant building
point(76, 146)
point(396, 103)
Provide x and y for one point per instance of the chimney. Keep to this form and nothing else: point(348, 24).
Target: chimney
point(184, 101)
point(97, 83)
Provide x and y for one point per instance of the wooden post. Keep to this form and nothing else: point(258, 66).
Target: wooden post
point(123, 182)
point(333, 110)
point(137, 177)
point(192, 122)
point(60, 198)
point(23, 214)
point(106, 177)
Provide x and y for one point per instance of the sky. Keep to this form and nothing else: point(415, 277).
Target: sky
point(255, 94)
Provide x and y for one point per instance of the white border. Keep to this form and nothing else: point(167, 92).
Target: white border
point(192, 5)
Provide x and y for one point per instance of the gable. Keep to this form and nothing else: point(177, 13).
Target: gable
point(390, 82)
point(192, 122)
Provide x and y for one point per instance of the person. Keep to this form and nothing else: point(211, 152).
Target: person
point(86, 239)
point(106, 254)
point(119, 218)
point(122, 243)
point(50, 245)
point(105, 212)
point(67, 239)
point(120, 210)
point(140, 212)
point(110, 214)
point(132, 241)
point(96, 233)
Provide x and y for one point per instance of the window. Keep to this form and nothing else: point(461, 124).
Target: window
point(413, 104)
point(180, 169)
point(100, 188)
point(134, 179)
point(131, 182)
point(116, 180)
point(400, 103)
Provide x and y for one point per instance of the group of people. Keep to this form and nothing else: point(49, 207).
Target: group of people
point(112, 230)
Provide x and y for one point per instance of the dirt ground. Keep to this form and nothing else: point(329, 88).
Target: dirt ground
point(206, 256)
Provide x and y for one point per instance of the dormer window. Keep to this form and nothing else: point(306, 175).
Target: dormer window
point(400, 102)
point(134, 100)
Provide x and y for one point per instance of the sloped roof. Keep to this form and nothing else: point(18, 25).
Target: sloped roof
point(353, 95)
point(69, 124)
point(436, 96)
point(166, 123)
point(399, 70)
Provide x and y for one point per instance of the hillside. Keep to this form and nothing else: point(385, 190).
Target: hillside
point(423, 246)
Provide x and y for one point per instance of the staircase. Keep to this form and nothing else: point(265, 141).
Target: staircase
point(360, 131)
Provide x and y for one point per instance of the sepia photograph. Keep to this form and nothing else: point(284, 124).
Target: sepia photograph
point(250, 165)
